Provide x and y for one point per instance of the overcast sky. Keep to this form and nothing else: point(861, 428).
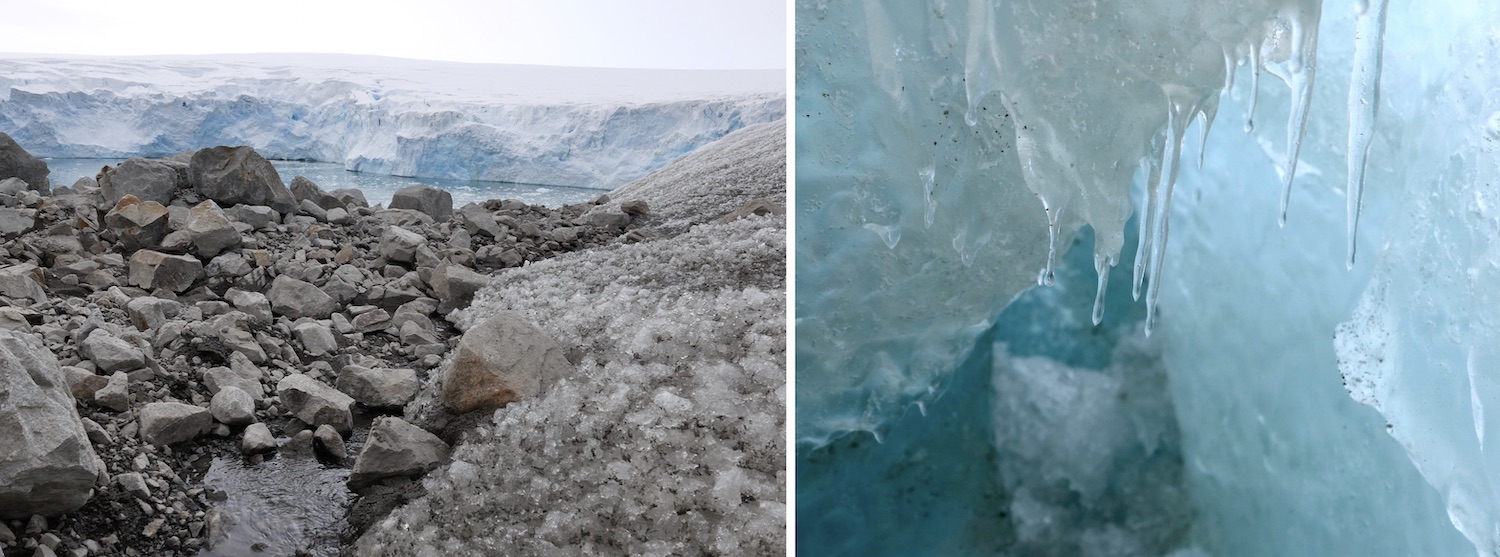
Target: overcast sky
point(686, 34)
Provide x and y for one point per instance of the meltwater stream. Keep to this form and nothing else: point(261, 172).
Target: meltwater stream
point(278, 507)
point(377, 188)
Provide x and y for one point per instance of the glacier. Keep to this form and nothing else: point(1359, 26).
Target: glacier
point(1328, 378)
point(588, 127)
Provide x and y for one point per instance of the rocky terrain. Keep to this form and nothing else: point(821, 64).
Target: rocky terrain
point(173, 311)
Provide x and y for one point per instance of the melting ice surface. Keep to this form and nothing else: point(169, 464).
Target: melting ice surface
point(378, 188)
point(981, 135)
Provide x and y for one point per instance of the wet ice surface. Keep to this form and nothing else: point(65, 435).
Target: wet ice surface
point(377, 188)
point(279, 507)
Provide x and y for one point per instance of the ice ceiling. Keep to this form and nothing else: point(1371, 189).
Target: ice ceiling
point(949, 152)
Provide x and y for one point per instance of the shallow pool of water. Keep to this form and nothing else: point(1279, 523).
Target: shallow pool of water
point(377, 188)
point(278, 507)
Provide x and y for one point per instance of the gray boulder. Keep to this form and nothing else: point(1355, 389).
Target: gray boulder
point(455, 286)
point(23, 280)
point(14, 222)
point(210, 230)
point(168, 423)
point(431, 201)
point(400, 245)
point(253, 304)
point(232, 406)
point(243, 377)
point(396, 448)
point(257, 216)
point(239, 175)
point(477, 219)
point(297, 299)
point(149, 312)
point(147, 179)
point(115, 395)
point(501, 360)
point(151, 270)
point(305, 190)
point(315, 403)
point(47, 465)
point(110, 353)
point(258, 439)
point(317, 339)
point(350, 197)
point(15, 162)
point(138, 223)
point(331, 441)
point(378, 388)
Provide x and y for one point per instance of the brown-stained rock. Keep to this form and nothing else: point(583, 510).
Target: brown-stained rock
point(499, 361)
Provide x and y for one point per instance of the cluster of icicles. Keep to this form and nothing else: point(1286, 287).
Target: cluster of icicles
point(1162, 162)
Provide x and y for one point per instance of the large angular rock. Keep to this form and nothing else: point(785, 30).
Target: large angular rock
point(245, 378)
point(211, 230)
point(232, 406)
point(315, 403)
point(235, 175)
point(47, 465)
point(151, 270)
point(394, 449)
point(317, 339)
point(455, 286)
point(138, 224)
point(258, 439)
point(149, 312)
point(15, 162)
point(115, 395)
point(110, 354)
point(23, 280)
point(379, 388)
point(400, 245)
point(297, 299)
point(305, 190)
point(434, 202)
point(14, 222)
point(499, 361)
point(478, 219)
point(147, 179)
point(168, 423)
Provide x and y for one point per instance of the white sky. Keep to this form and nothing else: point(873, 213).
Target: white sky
point(676, 34)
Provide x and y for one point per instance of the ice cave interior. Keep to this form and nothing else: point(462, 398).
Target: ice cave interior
point(1000, 351)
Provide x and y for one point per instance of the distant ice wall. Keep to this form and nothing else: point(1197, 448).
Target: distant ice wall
point(581, 127)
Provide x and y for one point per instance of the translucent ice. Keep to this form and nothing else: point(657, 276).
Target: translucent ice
point(971, 101)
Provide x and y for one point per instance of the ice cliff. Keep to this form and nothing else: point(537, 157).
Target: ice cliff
point(589, 127)
point(1327, 404)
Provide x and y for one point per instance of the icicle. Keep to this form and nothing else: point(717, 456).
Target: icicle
point(1301, 69)
point(1178, 115)
point(1228, 70)
point(1047, 277)
point(1254, 85)
point(1364, 103)
point(1143, 239)
point(1102, 263)
point(929, 181)
point(1205, 123)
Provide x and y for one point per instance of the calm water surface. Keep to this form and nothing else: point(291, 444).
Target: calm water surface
point(378, 188)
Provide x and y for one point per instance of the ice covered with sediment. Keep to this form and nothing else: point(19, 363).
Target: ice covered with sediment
point(592, 127)
point(668, 439)
point(725, 174)
point(668, 436)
